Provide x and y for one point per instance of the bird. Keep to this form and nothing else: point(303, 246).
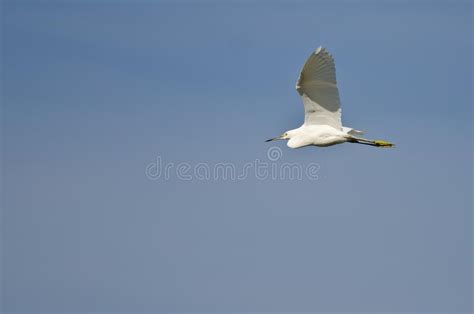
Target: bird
point(322, 125)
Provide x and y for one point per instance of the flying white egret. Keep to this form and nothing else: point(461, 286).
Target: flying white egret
point(322, 125)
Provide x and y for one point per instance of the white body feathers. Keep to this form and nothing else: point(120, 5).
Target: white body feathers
point(317, 87)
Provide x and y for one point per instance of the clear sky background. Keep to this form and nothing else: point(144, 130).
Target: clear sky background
point(94, 91)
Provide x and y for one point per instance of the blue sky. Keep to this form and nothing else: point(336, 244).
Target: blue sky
point(94, 91)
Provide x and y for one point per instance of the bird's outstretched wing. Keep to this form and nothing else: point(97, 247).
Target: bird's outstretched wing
point(317, 87)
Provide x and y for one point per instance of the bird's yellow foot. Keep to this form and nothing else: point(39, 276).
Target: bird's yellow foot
point(384, 144)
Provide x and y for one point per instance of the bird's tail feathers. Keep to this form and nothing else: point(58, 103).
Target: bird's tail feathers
point(352, 131)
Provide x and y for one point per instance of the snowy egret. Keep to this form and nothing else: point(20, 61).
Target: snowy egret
point(322, 125)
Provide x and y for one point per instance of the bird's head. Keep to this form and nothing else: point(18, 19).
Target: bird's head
point(284, 136)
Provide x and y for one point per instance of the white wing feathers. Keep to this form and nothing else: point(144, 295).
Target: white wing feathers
point(317, 87)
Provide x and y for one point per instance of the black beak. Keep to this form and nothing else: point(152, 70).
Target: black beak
point(273, 139)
